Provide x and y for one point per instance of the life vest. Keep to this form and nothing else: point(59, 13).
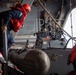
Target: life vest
point(18, 23)
point(72, 55)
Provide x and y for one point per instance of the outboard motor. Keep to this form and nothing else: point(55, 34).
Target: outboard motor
point(30, 61)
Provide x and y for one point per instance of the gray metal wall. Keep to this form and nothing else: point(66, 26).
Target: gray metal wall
point(60, 65)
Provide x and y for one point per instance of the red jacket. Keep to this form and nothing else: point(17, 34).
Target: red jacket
point(72, 55)
point(18, 23)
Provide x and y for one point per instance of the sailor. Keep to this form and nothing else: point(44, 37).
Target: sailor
point(12, 19)
point(72, 60)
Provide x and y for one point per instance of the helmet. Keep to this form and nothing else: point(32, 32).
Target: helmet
point(27, 7)
point(72, 55)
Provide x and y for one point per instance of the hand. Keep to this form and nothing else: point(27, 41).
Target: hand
point(4, 28)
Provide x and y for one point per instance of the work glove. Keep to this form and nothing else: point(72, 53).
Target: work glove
point(3, 28)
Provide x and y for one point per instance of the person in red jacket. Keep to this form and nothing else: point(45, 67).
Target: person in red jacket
point(12, 20)
point(72, 60)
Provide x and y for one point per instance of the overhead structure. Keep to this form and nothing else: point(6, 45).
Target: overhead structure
point(54, 19)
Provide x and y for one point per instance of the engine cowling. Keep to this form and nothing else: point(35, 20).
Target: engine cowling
point(30, 61)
